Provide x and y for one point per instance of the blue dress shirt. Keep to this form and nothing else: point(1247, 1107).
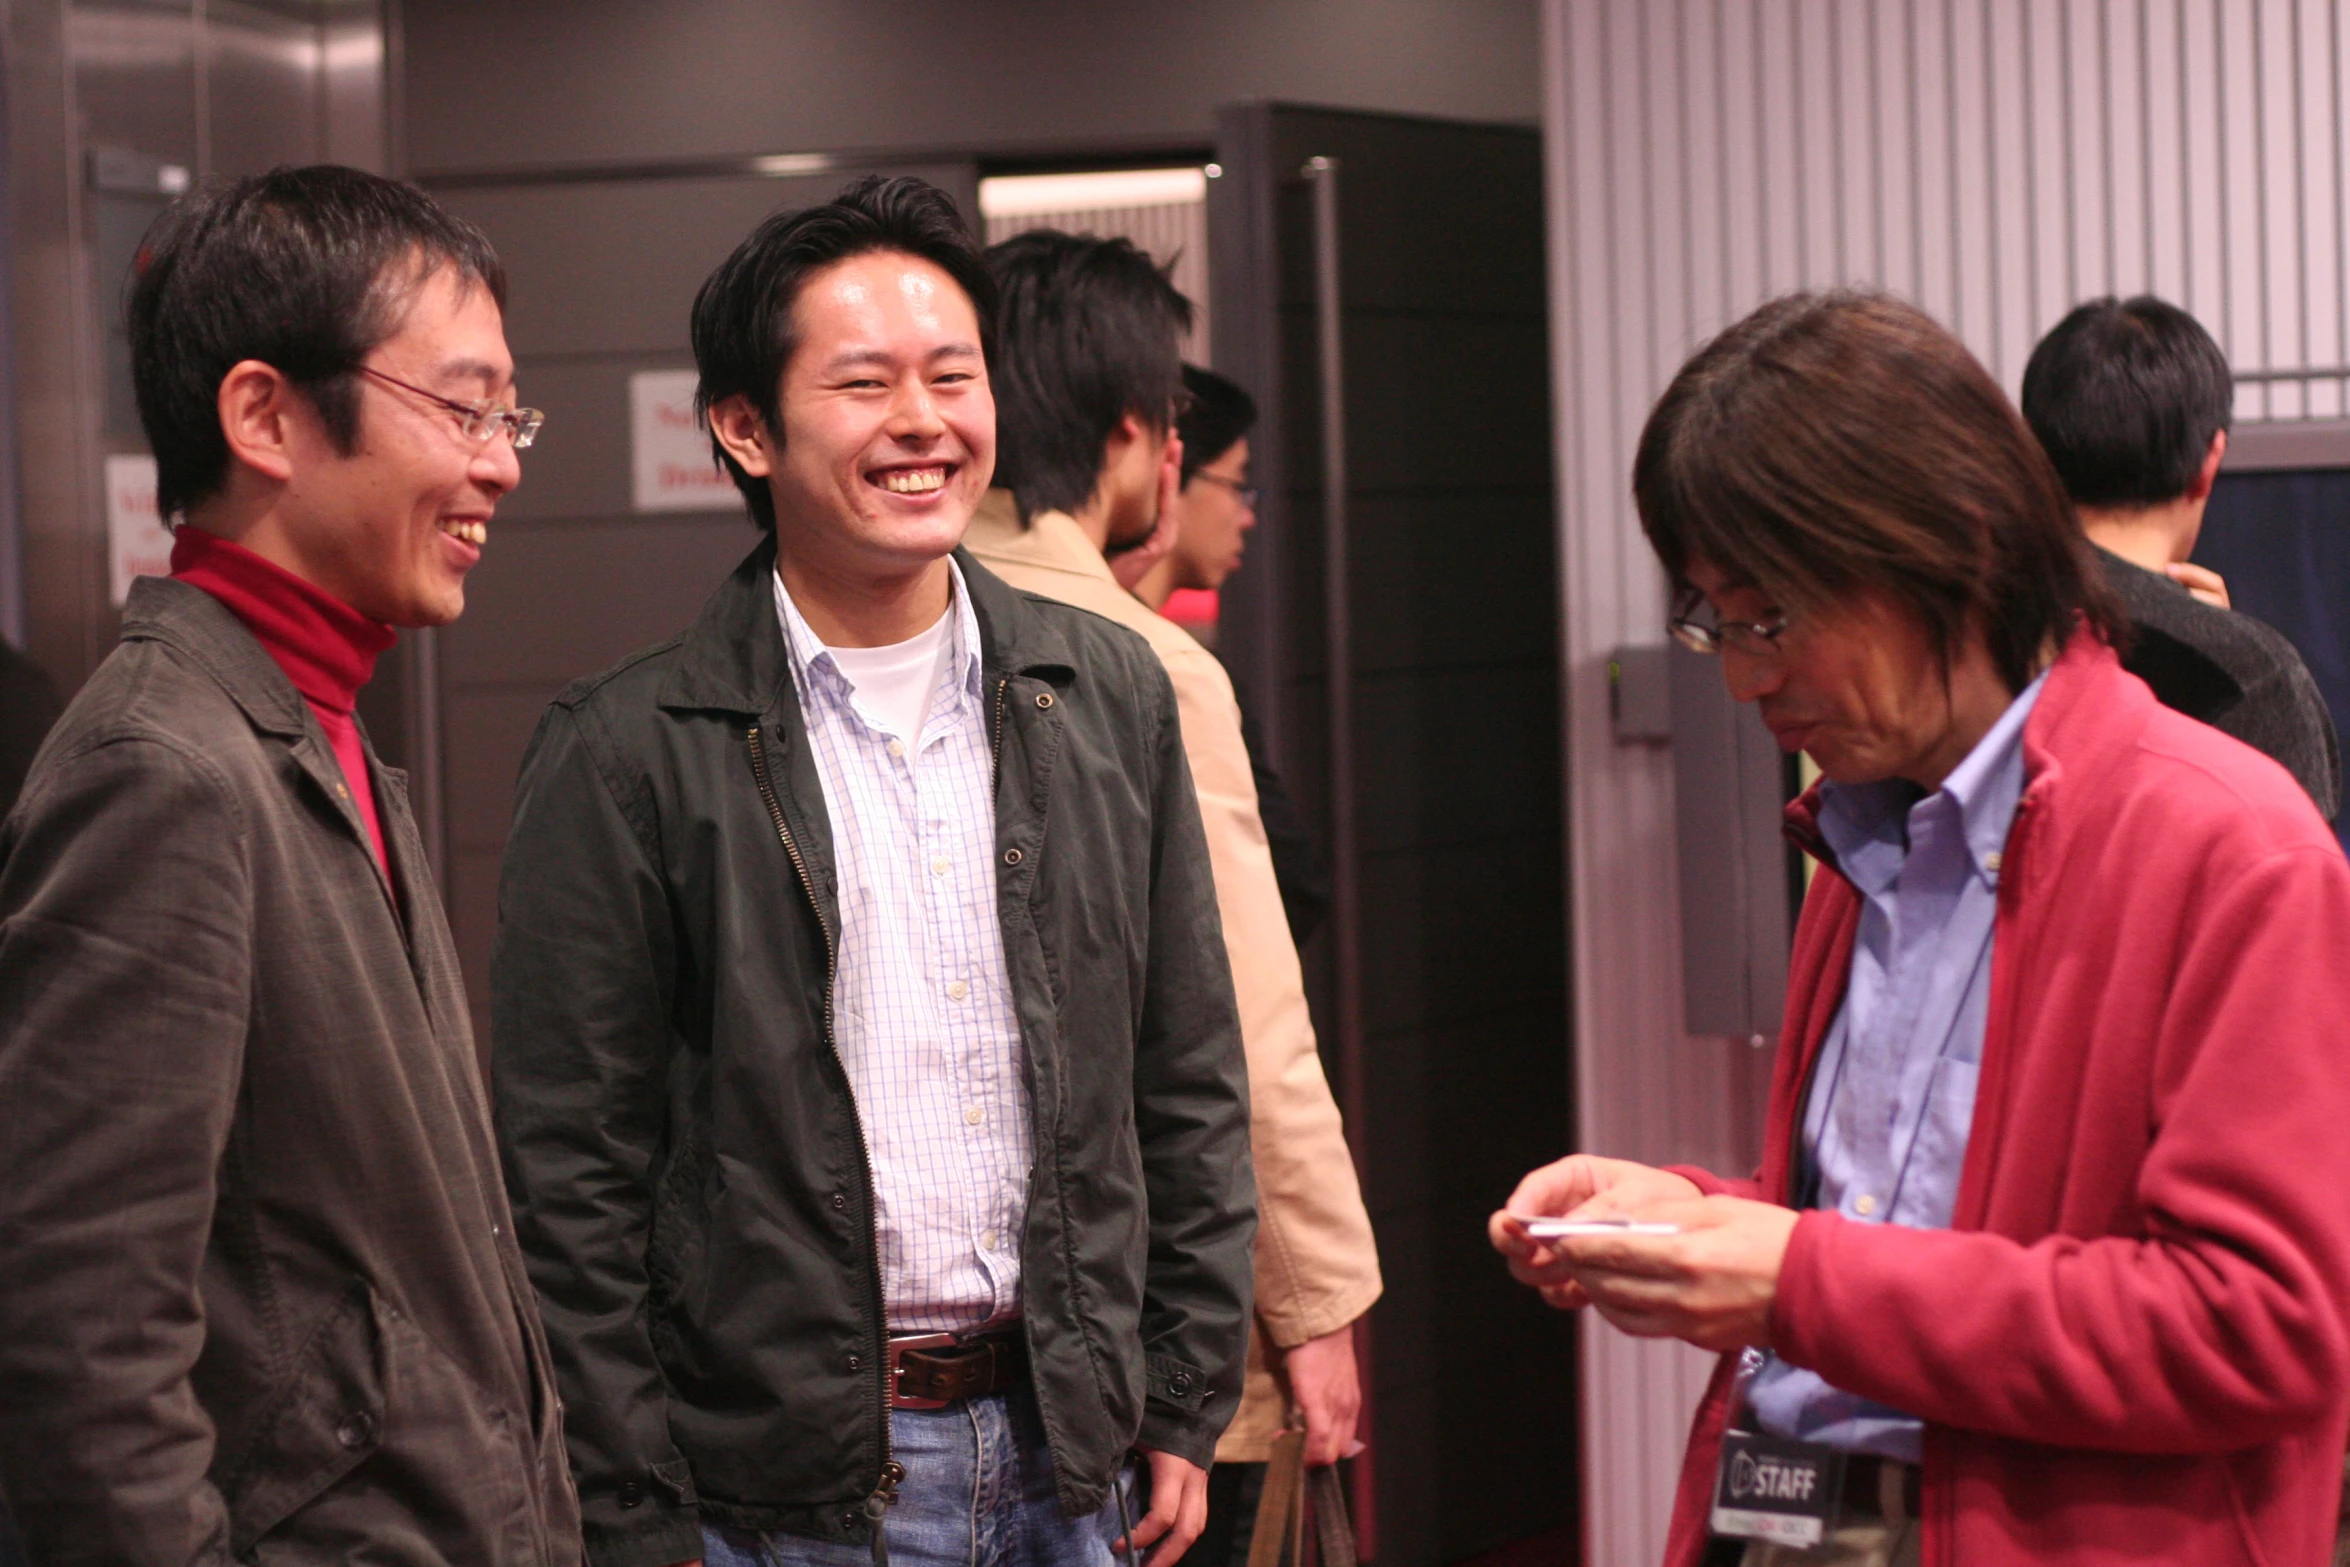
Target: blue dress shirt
point(1893, 1095)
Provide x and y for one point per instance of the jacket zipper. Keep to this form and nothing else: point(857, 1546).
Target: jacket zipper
point(885, 1494)
point(995, 744)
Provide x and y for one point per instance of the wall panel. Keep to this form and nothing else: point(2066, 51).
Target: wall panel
point(1995, 160)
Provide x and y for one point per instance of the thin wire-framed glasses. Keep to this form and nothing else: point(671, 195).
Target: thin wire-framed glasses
point(1698, 628)
point(1249, 494)
point(479, 419)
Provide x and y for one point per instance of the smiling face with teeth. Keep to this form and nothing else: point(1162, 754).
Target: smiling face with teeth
point(887, 438)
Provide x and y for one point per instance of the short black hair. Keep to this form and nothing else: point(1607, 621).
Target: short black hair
point(1217, 413)
point(1088, 330)
point(742, 323)
point(2125, 395)
point(305, 270)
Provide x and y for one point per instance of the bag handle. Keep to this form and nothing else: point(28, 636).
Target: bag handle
point(1290, 1488)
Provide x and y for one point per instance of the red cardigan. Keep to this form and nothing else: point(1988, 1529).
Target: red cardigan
point(2130, 1345)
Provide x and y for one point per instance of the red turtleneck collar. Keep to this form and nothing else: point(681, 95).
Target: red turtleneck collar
point(327, 648)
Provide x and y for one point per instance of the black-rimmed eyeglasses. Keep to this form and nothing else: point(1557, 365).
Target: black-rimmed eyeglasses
point(479, 419)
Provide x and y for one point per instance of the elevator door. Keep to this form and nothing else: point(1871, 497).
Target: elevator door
point(1404, 271)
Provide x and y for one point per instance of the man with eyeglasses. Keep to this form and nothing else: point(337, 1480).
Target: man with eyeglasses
point(1213, 512)
point(262, 1296)
point(2046, 1256)
point(1087, 471)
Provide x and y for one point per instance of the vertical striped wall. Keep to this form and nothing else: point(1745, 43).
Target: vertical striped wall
point(1996, 161)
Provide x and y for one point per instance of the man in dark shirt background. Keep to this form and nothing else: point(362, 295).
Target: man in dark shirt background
point(2132, 399)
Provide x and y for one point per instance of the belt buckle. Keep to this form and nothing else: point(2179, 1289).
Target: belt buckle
point(898, 1344)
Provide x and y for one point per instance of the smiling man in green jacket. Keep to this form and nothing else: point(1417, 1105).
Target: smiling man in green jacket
point(867, 1063)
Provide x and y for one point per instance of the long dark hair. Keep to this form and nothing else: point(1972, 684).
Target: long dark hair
point(1843, 443)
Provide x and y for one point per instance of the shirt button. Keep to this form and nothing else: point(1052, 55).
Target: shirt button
point(938, 867)
point(897, 748)
point(987, 1241)
point(1991, 862)
point(958, 990)
point(1864, 1205)
point(974, 1115)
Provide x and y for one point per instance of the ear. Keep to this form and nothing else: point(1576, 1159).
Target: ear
point(259, 411)
point(1122, 438)
point(2208, 474)
point(743, 433)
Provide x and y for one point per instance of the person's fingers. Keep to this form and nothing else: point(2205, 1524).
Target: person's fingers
point(1554, 1188)
point(1190, 1518)
point(1178, 1511)
point(1568, 1296)
point(1330, 1394)
point(1331, 1436)
point(1161, 1517)
point(2201, 581)
point(1623, 1256)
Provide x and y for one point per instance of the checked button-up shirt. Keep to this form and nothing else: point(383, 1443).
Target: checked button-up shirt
point(922, 999)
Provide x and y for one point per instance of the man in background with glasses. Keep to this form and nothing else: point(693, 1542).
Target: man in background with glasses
point(262, 1295)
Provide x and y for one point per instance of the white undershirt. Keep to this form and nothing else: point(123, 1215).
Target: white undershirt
point(893, 684)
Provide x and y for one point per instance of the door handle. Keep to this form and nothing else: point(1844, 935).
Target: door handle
point(1321, 175)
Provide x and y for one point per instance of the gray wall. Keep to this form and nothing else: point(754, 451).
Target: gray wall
point(538, 83)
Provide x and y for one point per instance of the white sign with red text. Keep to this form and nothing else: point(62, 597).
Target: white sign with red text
point(137, 542)
point(673, 467)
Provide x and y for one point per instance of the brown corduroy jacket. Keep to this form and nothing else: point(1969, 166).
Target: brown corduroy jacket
point(1317, 1268)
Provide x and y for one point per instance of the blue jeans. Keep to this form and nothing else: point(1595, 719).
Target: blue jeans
point(978, 1492)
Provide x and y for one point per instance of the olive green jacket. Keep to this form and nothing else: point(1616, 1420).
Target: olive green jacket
point(683, 1148)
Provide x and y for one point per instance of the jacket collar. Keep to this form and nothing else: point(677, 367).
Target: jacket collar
point(733, 659)
point(2087, 714)
point(206, 630)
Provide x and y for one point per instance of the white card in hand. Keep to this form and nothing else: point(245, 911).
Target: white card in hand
point(1556, 1229)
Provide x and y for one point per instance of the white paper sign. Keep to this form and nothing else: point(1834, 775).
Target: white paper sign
point(671, 450)
point(137, 543)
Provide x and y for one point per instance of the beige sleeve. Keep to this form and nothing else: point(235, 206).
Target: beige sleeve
point(1317, 1267)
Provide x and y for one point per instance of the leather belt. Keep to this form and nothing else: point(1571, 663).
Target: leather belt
point(1872, 1485)
point(933, 1370)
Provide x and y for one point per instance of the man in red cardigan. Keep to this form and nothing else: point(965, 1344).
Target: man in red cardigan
point(2048, 1256)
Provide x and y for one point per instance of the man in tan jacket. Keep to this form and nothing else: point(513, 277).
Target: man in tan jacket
point(1088, 377)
